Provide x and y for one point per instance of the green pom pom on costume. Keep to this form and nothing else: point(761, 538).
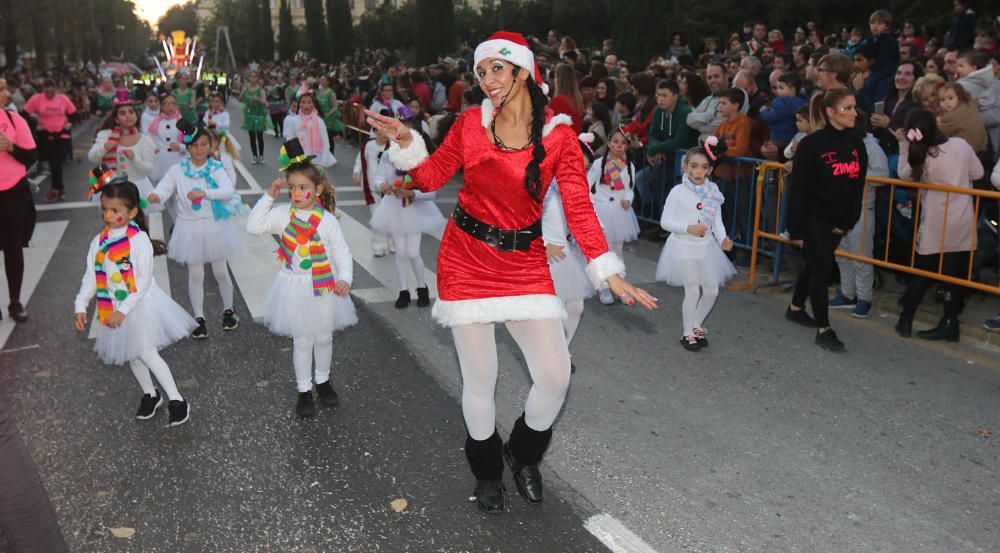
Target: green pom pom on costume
point(92, 180)
point(143, 203)
point(283, 159)
point(120, 295)
point(305, 264)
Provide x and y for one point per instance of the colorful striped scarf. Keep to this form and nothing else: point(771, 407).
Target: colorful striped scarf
point(113, 158)
point(709, 200)
point(613, 171)
point(119, 251)
point(298, 237)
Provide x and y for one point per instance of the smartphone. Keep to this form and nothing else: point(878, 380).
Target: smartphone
point(880, 108)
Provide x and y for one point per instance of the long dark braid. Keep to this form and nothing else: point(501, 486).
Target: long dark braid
point(533, 172)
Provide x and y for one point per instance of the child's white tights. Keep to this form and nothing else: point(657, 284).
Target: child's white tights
point(543, 345)
point(304, 350)
point(196, 285)
point(150, 361)
point(408, 258)
point(574, 312)
point(698, 302)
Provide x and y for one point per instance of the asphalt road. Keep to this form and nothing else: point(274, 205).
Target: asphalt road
point(761, 443)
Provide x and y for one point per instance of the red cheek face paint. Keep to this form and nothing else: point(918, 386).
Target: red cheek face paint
point(119, 220)
point(307, 195)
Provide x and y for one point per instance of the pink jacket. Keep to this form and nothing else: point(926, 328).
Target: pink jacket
point(16, 130)
point(52, 114)
point(955, 165)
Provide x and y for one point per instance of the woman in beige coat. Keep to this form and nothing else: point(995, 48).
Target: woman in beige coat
point(947, 220)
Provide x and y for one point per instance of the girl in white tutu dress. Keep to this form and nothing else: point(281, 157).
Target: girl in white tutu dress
point(692, 256)
point(309, 299)
point(135, 317)
point(404, 213)
point(203, 232)
point(612, 189)
point(566, 263)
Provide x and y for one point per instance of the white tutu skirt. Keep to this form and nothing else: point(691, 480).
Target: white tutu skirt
point(195, 241)
point(620, 225)
point(292, 310)
point(419, 217)
point(685, 262)
point(155, 323)
point(570, 275)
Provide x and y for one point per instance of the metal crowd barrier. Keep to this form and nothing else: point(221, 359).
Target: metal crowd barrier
point(768, 224)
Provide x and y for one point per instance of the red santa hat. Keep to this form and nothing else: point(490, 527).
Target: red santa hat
point(512, 48)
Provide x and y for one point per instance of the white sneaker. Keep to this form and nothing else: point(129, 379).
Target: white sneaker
point(378, 252)
point(392, 246)
point(606, 297)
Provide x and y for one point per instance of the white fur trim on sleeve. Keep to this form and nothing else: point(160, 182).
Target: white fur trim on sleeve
point(407, 158)
point(497, 310)
point(559, 119)
point(603, 267)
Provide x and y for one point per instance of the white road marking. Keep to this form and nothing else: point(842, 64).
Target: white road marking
point(242, 169)
point(13, 350)
point(36, 259)
point(615, 536)
point(254, 268)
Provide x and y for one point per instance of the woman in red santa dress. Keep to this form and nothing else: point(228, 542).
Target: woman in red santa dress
point(492, 266)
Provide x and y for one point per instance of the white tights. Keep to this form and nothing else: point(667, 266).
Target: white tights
point(304, 350)
point(407, 258)
point(196, 285)
point(574, 312)
point(150, 361)
point(543, 345)
point(698, 303)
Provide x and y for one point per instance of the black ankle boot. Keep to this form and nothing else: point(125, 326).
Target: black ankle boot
point(523, 453)
point(486, 461)
point(904, 327)
point(423, 297)
point(403, 301)
point(946, 330)
point(17, 312)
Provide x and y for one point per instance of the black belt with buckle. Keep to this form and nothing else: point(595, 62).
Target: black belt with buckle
point(505, 240)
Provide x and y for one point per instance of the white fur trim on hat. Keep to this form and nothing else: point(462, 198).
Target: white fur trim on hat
point(603, 267)
point(531, 307)
point(409, 157)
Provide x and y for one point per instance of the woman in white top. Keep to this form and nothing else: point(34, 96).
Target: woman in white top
point(163, 131)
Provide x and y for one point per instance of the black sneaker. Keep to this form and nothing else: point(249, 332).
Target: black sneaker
point(148, 406)
point(305, 407)
point(229, 320)
point(690, 343)
point(403, 301)
point(828, 340)
point(17, 312)
point(327, 395)
point(800, 317)
point(179, 412)
point(702, 335)
point(201, 332)
point(423, 297)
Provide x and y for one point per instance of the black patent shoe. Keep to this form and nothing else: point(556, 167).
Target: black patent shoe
point(690, 343)
point(904, 328)
point(491, 496)
point(403, 301)
point(527, 477)
point(17, 312)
